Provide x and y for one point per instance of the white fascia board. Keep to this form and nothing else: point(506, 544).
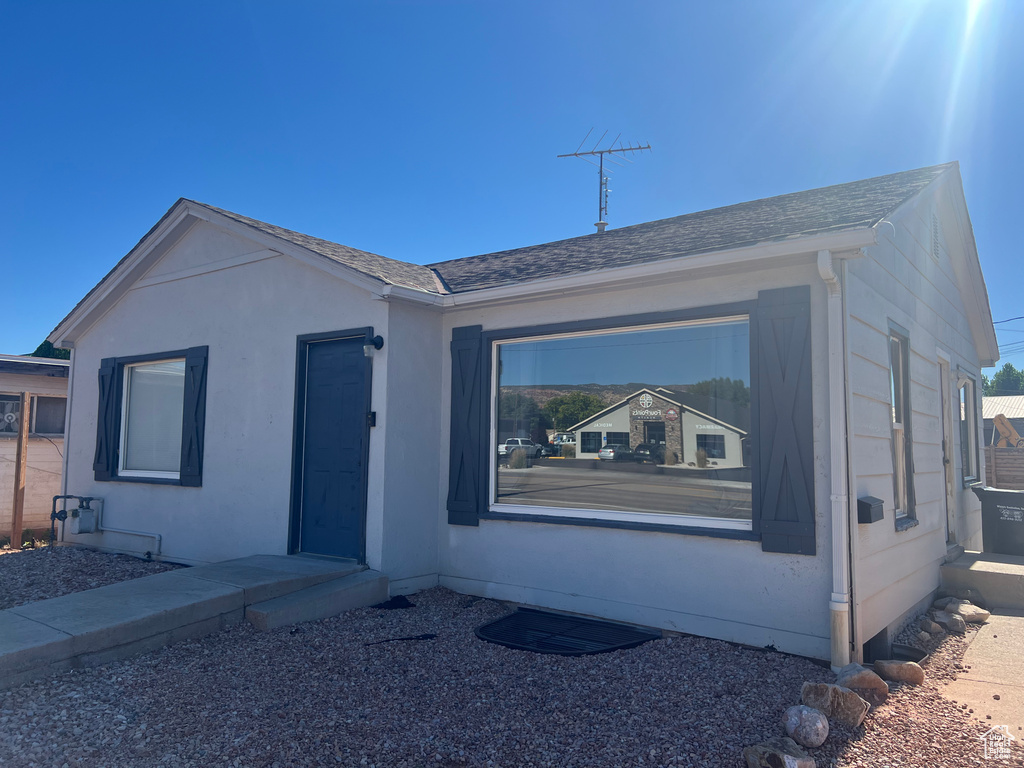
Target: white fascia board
point(29, 359)
point(400, 293)
point(850, 240)
point(177, 224)
point(971, 280)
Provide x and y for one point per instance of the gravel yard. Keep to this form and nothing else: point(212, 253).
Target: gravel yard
point(331, 693)
point(28, 575)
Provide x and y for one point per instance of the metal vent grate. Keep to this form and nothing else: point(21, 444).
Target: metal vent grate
point(542, 632)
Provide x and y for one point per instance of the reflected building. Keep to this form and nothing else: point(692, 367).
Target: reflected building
point(694, 430)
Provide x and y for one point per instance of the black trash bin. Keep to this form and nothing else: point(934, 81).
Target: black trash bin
point(1002, 520)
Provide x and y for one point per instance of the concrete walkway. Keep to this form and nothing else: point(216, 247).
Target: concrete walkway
point(100, 625)
point(994, 666)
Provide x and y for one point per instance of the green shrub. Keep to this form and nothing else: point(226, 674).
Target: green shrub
point(518, 460)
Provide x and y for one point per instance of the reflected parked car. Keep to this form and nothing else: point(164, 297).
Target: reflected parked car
point(551, 450)
point(523, 444)
point(615, 452)
point(652, 452)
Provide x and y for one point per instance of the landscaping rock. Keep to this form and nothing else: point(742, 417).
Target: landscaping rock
point(780, 752)
point(864, 682)
point(806, 726)
point(929, 626)
point(951, 622)
point(900, 671)
point(923, 637)
point(969, 612)
point(835, 702)
point(942, 602)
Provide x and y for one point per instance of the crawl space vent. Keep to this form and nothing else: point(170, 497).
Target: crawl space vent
point(542, 632)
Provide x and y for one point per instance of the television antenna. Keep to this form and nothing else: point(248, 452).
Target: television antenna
point(615, 148)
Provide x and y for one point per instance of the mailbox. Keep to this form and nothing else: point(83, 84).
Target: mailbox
point(869, 509)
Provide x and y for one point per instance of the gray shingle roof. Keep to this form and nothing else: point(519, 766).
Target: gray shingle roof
point(387, 270)
point(816, 211)
point(858, 204)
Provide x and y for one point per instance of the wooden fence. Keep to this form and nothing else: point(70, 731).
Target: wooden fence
point(1004, 468)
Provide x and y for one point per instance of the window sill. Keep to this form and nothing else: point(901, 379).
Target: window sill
point(906, 523)
point(627, 525)
point(146, 480)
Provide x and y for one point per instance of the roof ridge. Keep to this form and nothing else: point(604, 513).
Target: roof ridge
point(761, 200)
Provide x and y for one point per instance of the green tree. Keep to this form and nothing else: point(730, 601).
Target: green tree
point(566, 410)
point(1007, 381)
point(520, 413)
point(46, 349)
point(723, 388)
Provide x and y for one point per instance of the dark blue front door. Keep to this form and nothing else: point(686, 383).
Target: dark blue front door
point(332, 472)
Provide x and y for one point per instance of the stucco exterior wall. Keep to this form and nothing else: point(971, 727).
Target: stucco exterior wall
point(412, 461)
point(249, 315)
point(689, 583)
point(908, 278)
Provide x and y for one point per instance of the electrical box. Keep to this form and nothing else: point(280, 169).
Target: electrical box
point(869, 509)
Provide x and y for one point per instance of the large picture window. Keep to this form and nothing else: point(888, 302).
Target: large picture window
point(683, 387)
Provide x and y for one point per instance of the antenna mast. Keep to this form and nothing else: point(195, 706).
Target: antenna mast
point(602, 186)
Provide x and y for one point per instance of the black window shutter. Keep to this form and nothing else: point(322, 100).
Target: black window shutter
point(467, 451)
point(784, 479)
point(193, 420)
point(104, 463)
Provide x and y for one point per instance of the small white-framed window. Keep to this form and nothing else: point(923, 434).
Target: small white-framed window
point(48, 415)
point(151, 418)
point(968, 429)
point(900, 410)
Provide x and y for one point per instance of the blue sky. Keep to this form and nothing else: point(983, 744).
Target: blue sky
point(426, 131)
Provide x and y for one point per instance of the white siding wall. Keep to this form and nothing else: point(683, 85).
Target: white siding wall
point(710, 586)
point(901, 281)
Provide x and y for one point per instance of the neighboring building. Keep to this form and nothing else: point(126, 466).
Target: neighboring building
point(1010, 406)
point(678, 421)
point(46, 382)
point(241, 388)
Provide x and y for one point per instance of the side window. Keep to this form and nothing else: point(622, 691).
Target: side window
point(902, 442)
point(48, 415)
point(968, 430)
point(151, 418)
point(152, 404)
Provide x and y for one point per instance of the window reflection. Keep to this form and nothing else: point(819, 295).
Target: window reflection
point(648, 420)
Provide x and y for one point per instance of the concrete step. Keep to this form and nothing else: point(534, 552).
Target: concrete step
point(996, 580)
point(330, 598)
point(100, 625)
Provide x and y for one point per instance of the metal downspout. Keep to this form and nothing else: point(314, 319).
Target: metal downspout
point(839, 605)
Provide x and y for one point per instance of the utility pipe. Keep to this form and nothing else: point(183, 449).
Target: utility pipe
point(839, 605)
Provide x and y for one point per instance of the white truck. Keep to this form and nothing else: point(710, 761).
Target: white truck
point(523, 444)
